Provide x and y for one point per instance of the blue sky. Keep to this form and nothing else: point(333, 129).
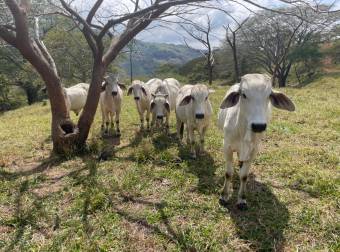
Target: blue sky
point(172, 33)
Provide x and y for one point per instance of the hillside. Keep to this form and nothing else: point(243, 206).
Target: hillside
point(151, 197)
point(149, 56)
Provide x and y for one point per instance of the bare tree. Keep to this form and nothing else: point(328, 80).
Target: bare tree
point(202, 34)
point(231, 35)
point(15, 30)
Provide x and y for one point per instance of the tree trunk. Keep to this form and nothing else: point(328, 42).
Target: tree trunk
point(234, 49)
point(131, 66)
point(210, 67)
point(282, 79)
point(90, 108)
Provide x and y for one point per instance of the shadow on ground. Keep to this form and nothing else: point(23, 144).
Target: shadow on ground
point(263, 224)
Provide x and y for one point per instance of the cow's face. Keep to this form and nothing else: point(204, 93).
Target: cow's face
point(254, 98)
point(111, 85)
point(160, 106)
point(199, 97)
point(137, 90)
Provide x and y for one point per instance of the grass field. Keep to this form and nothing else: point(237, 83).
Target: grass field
point(151, 197)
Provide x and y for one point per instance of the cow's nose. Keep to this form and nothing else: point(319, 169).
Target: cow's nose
point(258, 127)
point(137, 98)
point(199, 116)
point(114, 93)
point(160, 117)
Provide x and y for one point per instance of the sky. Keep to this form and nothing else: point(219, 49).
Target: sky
point(165, 32)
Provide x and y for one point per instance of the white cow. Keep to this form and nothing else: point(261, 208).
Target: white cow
point(244, 115)
point(163, 100)
point(172, 81)
point(110, 103)
point(75, 97)
point(193, 108)
point(142, 98)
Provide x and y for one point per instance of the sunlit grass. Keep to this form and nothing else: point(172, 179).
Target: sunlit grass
point(151, 197)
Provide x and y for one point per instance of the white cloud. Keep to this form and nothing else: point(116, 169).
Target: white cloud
point(172, 33)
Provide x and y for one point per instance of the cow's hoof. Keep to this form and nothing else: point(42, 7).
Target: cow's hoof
point(118, 134)
point(242, 206)
point(223, 202)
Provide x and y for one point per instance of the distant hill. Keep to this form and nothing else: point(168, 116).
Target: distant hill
point(149, 56)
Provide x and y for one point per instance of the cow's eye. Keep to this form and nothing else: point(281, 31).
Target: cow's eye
point(244, 96)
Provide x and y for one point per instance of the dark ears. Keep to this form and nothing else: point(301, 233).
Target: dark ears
point(129, 91)
point(231, 100)
point(144, 91)
point(186, 100)
point(167, 106)
point(152, 105)
point(281, 101)
point(122, 86)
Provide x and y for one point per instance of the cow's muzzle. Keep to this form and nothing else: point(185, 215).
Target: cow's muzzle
point(137, 98)
point(160, 117)
point(199, 116)
point(258, 127)
point(114, 93)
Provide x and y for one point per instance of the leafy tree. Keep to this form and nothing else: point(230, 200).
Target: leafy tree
point(306, 60)
point(270, 38)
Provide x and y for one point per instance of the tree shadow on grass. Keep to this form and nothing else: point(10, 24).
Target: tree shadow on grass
point(263, 224)
point(163, 229)
point(31, 169)
point(32, 193)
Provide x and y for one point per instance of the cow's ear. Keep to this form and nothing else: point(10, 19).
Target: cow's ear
point(104, 84)
point(231, 100)
point(122, 86)
point(186, 100)
point(152, 105)
point(167, 106)
point(144, 91)
point(129, 91)
point(281, 101)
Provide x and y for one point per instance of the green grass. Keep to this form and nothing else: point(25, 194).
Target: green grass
point(151, 197)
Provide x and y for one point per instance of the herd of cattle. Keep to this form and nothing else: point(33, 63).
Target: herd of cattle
point(243, 116)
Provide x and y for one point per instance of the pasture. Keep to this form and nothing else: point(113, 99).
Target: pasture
point(150, 196)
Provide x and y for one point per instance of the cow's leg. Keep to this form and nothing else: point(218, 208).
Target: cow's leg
point(179, 129)
point(153, 122)
point(227, 189)
point(202, 132)
point(107, 123)
point(117, 123)
point(167, 124)
point(103, 121)
point(111, 120)
point(244, 173)
point(148, 119)
point(188, 135)
point(241, 197)
point(192, 141)
point(141, 117)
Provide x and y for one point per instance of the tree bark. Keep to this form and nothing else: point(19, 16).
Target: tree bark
point(90, 108)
